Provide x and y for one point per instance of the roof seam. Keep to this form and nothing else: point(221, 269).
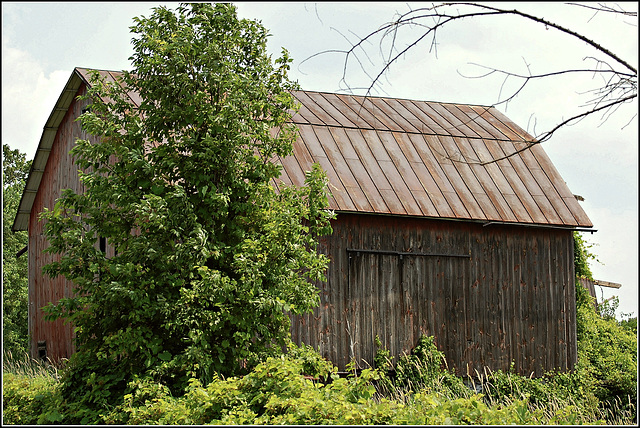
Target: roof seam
point(350, 169)
point(371, 128)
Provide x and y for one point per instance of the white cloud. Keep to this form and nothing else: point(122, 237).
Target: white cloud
point(29, 94)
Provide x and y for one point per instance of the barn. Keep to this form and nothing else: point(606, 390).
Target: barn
point(438, 232)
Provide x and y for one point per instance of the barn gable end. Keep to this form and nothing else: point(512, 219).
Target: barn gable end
point(429, 237)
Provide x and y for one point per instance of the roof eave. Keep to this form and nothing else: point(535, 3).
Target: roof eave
point(577, 227)
point(21, 221)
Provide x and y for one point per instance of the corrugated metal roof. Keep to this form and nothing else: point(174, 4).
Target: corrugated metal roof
point(418, 158)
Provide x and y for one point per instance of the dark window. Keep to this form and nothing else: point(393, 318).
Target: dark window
point(42, 349)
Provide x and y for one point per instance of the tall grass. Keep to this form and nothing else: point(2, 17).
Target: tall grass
point(548, 400)
point(493, 397)
point(24, 365)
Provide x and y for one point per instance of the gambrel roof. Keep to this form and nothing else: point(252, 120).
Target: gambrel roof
point(402, 157)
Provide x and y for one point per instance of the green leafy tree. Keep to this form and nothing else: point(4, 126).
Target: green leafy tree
point(607, 354)
point(630, 324)
point(582, 256)
point(209, 257)
point(607, 348)
point(15, 337)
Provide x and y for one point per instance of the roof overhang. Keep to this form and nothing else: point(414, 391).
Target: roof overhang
point(21, 221)
point(482, 223)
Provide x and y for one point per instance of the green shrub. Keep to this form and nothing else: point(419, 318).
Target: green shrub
point(278, 391)
point(29, 400)
point(607, 352)
point(498, 385)
point(313, 364)
point(426, 368)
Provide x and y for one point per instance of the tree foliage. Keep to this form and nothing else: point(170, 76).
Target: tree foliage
point(15, 337)
point(208, 257)
point(607, 348)
point(607, 354)
point(582, 256)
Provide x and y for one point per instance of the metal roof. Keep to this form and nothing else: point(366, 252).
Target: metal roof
point(418, 158)
point(400, 157)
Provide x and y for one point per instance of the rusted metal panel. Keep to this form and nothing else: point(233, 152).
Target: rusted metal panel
point(305, 116)
point(523, 188)
point(427, 173)
point(506, 126)
point(483, 118)
point(461, 126)
point(431, 112)
point(428, 195)
point(316, 109)
point(433, 162)
point(326, 104)
point(491, 116)
point(383, 114)
point(399, 122)
point(354, 176)
point(460, 186)
point(408, 115)
point(472, 123)
point(487, 176)
point(361, 107)
point(395, 172)
point(430, 124)
point(372, 165)
point(355, 117)
point(369, 189)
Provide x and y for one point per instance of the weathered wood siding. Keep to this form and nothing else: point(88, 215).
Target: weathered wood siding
point(60, 173)
point(490, 295)
point(591, 288)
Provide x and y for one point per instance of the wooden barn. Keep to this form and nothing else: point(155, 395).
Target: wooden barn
point(429, 239)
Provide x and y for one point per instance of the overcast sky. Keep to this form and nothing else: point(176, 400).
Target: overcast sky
point(43, 42)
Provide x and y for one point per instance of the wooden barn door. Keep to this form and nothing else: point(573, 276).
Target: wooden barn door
point(399, 297)
point(376, 298)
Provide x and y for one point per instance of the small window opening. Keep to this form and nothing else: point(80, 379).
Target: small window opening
point(103, 244)
point(42, 349)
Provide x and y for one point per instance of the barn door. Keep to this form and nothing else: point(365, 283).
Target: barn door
point(401, 296)
point(374, 297)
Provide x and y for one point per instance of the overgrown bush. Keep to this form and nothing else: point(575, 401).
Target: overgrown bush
point(608, 354)
point(30, 392)
point(279, 391)
point(425, 368)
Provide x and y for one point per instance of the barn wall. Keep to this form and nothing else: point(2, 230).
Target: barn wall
point(490, 295)
point(60, 173)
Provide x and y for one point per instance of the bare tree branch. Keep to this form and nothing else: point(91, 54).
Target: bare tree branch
point(618, 76)
point(545, 136)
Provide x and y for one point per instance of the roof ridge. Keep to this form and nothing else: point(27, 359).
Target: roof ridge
point(397, 98)
point(336, 93)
